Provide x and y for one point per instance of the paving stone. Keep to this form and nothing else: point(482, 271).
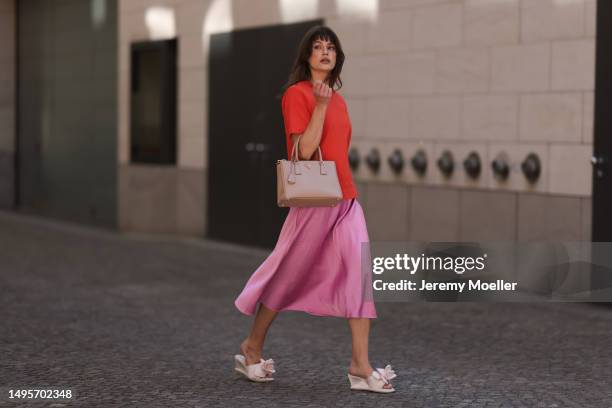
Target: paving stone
point(126, 320)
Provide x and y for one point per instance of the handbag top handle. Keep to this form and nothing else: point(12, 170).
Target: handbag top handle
point(294, 152)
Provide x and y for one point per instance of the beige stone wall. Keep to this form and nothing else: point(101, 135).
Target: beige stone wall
point(7, 102)
point(514, 76)
point(490, 76)
point(158, 198)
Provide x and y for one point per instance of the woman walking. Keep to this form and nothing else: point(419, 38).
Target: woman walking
point(315, 266)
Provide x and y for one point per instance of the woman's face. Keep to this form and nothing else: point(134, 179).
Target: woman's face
point(323, 56)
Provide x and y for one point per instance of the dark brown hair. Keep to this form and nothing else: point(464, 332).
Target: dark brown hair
point(301, 68)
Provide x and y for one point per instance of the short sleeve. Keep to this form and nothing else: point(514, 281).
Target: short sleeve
point(296, 114)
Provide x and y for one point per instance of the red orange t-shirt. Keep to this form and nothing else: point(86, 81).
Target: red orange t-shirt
point(298, 103)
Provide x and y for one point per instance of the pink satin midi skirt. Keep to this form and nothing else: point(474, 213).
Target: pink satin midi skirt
point(316, 265)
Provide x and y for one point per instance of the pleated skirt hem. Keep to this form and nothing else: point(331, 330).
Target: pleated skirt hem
point(316, 266)
point(369, 315)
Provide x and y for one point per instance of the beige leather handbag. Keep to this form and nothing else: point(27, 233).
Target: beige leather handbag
point(307, 183)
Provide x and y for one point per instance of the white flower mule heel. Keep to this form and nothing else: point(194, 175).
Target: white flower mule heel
point(375, 382)
point(257, 372)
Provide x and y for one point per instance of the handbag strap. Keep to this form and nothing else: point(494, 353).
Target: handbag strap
point(295, 165)
point(294, 152)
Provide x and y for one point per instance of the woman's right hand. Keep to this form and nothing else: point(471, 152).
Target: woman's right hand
point(322, 93)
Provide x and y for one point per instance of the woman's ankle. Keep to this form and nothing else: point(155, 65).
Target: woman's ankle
point(252, 345)
point(252, 352)
point(360, 368)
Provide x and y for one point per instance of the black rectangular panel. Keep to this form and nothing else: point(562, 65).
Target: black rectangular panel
point(602, 171)
point(601, 278)
point(153, 102)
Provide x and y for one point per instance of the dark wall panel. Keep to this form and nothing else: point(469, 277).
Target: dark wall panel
point(67, 109)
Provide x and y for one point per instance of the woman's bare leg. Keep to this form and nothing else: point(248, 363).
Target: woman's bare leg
point(360, 362)
point(252, 346)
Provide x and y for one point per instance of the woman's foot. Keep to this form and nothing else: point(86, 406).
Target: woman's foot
point(251, 353)
point(364, 371)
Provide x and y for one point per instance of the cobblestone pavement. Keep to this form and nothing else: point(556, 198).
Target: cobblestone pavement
point(131, 320)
